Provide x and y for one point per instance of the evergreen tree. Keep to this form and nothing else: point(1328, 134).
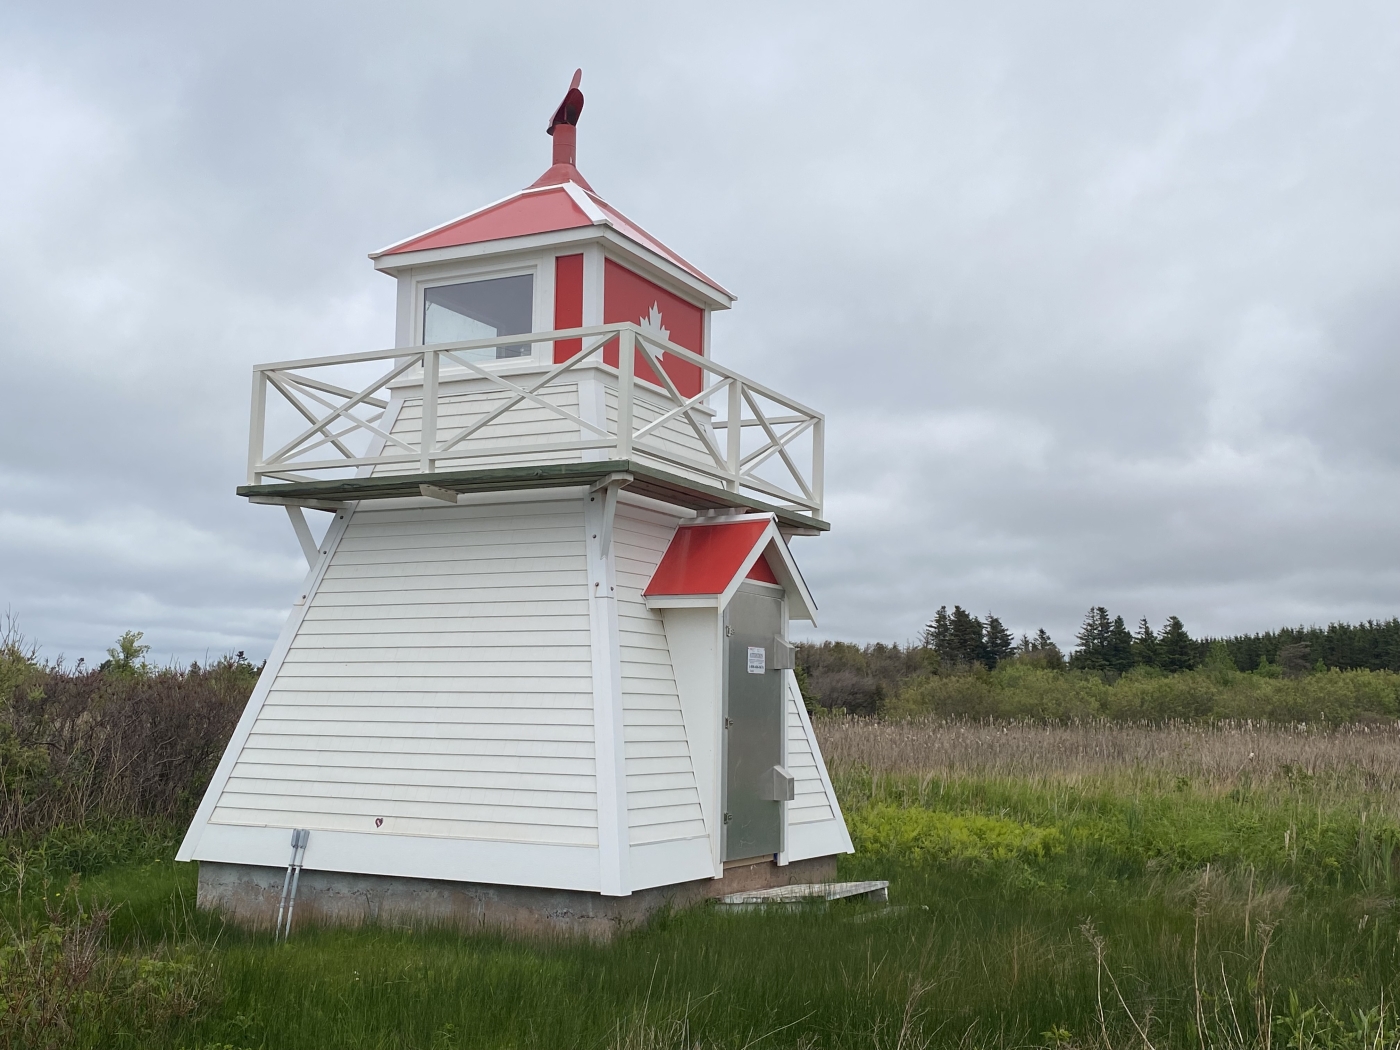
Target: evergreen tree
point(1118, 654)
point(967, 637)
point(938, 635)
point(1093, 638)
point(998, 644)
point(1047, 653)
point(1177, 650)
point(1145, 645)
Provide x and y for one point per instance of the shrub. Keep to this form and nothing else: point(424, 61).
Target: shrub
point(916, 834)
point(123, 743)
point(1215, 691)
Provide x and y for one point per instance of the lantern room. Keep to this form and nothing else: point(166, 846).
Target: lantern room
point(553, 256)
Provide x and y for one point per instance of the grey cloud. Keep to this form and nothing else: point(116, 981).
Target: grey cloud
point(1100, 300)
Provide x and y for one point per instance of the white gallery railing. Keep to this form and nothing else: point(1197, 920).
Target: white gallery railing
point(736, 434)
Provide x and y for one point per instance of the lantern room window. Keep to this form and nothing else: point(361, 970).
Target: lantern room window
point(481, 310)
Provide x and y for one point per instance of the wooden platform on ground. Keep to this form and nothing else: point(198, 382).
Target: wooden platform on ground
point(877, 891)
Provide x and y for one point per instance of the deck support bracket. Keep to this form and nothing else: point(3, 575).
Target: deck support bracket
point(309, 546)
point(609, 486)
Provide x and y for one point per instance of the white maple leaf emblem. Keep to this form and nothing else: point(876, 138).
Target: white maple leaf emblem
point(652, 323)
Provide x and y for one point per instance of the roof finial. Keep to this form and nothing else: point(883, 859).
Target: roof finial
point(569, 110)
point(563, 128)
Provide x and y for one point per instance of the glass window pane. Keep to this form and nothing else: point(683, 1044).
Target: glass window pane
point(480, 310)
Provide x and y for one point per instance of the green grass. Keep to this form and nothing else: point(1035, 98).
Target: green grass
point(1021, 909)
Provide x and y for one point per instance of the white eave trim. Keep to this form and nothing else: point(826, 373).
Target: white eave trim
point(683, 601)
point(800, 603)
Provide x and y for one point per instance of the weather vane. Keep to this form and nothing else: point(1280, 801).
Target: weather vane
point(569, 110)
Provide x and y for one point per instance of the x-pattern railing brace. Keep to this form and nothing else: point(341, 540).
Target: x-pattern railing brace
point(321, 424)
point(523, 393)
point(701, 432)
point(780, 446)
point(761, 455)
point(356, 422)
point(330, 412)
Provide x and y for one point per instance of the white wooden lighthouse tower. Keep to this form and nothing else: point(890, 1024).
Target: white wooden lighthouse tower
point(538, 672)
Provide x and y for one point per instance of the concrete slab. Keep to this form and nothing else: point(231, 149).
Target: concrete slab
point(248, 895)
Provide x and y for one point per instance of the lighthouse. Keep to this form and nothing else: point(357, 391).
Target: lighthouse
point(538, 674)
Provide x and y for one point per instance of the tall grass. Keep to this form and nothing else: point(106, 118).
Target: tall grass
point(1101, 873)
point(1074, 886)
point(1347, 758)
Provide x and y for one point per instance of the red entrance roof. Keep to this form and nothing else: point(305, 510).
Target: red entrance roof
point(704, 559)
point(705, 564)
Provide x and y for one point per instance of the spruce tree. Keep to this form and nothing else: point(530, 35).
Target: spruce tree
point(938, 636)
point(1093, 638)
point(967, 637)
point(1177, 650)
point(1050, 655)
point(1119, 650)
point(1145, 645)
point(998, 644)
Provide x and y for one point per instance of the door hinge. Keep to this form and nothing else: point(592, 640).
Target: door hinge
point(728, 817)
point(728, 631)
point(729, 723)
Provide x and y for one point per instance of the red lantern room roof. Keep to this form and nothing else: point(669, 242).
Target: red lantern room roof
point(560, 199)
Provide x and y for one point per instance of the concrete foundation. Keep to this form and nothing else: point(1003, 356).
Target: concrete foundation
point(249, 894)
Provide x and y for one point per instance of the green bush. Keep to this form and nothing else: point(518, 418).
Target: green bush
point(1215, 691)
point(127, 742)
point(916, 834)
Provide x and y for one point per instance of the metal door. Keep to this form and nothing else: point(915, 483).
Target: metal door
point(753, 721)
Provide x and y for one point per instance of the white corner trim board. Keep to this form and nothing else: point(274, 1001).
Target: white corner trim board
point(609, 749)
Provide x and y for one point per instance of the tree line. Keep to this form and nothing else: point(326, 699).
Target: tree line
point(1105, 643)
point(959, 639)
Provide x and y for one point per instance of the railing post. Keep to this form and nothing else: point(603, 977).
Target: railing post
point(735, 434)
point(818, 460)
point(257, 425)
point(626, 368)
point(427, 438)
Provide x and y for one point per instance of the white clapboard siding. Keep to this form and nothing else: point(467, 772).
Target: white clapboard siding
point(682, 448)
point(810, 802)
point(461, 404)
point(439, 685)
point(663, 801)
point(674, 446)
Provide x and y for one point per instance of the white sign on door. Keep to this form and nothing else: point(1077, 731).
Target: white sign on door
point(758, 659)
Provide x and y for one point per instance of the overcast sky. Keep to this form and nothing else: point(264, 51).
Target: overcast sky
point(1100, 300)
